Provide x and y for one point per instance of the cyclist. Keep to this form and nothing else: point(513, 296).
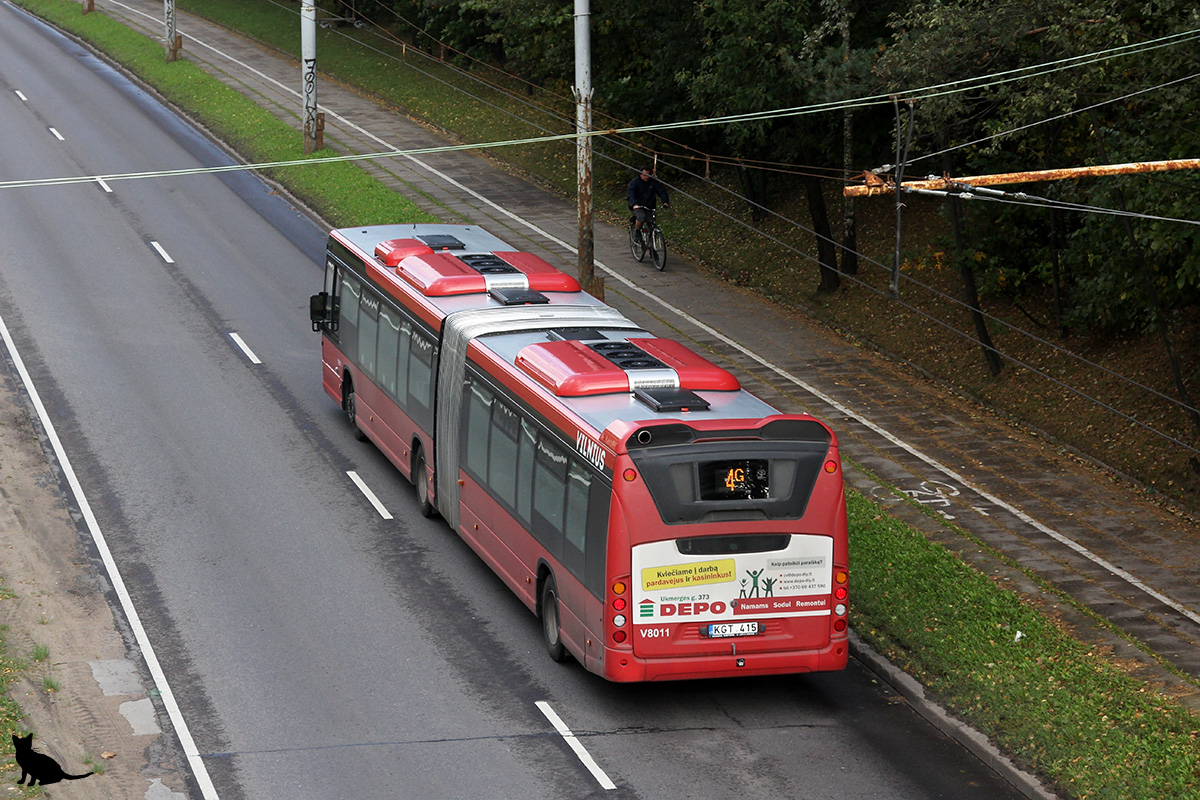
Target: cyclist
point(641, 195)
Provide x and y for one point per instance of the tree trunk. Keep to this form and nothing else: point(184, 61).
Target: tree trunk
point(971, 292)
point(826, 247)
point(754, 185)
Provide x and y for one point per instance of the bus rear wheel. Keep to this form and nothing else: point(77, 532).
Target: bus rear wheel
point(420, 477)
point(551, 631)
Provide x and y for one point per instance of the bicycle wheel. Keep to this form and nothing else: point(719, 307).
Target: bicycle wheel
point(636, 245)
point(658, 249)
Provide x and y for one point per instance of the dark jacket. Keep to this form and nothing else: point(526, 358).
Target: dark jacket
point(642, 193)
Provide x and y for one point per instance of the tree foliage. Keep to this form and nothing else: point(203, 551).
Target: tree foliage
point(688, 59)
point(1118, 109)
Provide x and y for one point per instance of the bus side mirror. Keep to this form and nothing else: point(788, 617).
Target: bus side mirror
point(318, 309)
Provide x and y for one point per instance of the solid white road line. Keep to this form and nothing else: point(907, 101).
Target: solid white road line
point(574, 744)
point(207, 790)
point(366, 490)
point(245, 349)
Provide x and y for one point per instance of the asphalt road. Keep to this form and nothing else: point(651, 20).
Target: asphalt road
point(315, 648)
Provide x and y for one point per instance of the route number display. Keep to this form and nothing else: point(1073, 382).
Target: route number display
point(735, 480)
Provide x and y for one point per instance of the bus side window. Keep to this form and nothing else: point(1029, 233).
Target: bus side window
point(575, 523)
point(402, 353)
point(348, 330)
point(549, 494)
point(420, 384)
point(526, 450)
point(389, 341)
point(368, 324)
point(479, 408)
point(332, 272)
point(596, 552)
point(502, 453)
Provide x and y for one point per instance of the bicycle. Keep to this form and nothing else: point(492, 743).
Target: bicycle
point(651, 239)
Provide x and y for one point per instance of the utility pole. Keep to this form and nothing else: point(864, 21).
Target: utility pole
point(874, 185)
point(308, 77)
point(174, 40)
point(583, 151)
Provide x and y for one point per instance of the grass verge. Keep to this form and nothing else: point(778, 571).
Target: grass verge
point(1048, 699)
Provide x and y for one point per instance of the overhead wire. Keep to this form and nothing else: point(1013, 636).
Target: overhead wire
point(1055, 118)
point(966, 191)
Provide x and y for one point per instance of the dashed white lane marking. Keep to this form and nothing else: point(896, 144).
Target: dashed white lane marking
point(366, 490)
point(574, 743)
point(245, 348)
point(165, 255)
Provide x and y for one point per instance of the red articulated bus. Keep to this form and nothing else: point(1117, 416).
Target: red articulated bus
point(662, 522)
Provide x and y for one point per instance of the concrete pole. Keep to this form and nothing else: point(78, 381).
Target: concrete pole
point(174, 40)
point(583, 151)
point(308, 72)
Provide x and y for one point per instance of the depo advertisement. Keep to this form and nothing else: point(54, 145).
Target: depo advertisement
point(671, 587)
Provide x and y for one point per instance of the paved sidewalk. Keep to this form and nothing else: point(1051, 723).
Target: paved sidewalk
point(1087, 532)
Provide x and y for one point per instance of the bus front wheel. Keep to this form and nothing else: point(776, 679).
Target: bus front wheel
point(551, 632)
point(350, 404)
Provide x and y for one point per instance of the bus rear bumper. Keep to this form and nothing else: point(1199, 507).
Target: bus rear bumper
point(622, 666)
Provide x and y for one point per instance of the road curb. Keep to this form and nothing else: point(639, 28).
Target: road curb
point(975, 742)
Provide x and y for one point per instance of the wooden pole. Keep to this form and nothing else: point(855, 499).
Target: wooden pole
point(874, 185)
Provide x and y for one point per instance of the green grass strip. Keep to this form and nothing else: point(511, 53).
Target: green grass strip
point(340, 193)
point(1047, 698)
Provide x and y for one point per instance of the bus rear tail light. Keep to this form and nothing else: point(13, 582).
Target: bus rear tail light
point(840, 593)
point(619, 604)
